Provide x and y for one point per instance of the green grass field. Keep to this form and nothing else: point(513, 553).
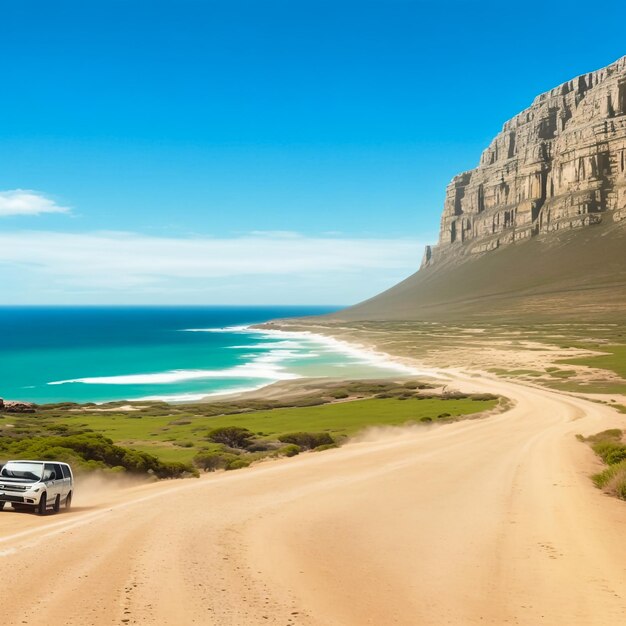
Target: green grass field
point(178, 438)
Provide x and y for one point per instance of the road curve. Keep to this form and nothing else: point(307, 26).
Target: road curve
point(486, 521)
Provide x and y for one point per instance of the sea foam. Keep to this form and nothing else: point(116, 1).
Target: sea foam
point(265, 366)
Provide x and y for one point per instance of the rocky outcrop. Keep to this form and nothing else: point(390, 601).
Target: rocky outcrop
point(560, 164)
point(12, 406)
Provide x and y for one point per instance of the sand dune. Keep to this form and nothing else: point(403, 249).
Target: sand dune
point(490, 521)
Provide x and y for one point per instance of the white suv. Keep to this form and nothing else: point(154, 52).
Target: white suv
point(36, 485)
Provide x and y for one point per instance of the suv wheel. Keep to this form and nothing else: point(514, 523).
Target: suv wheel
point(1, 505)
point(68, 501)
point(57, 504)
point(43, 504)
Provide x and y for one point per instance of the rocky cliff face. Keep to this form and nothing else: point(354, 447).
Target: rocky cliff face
point(560, 164)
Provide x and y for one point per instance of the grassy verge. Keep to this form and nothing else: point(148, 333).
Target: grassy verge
point(614, 360)
point(610, 446)
point(173, 439)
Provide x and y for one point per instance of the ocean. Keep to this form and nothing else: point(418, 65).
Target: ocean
point(176, 354)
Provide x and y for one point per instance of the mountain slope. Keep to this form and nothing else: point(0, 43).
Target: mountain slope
point(578, 274)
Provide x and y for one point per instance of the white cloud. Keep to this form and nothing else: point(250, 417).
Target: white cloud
point(24, 202)
point(267, 264)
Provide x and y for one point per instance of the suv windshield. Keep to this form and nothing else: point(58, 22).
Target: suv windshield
point(26, 471)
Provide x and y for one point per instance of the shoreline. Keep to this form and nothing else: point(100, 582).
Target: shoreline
point(369, 355)
point(392, 366)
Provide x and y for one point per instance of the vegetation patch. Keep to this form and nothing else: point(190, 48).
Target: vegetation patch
point(173, 440)
point(610, 446)
point(614, 360)
point(90, 451)
point(308, 441)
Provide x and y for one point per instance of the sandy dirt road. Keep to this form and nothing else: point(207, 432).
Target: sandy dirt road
point(489, 521)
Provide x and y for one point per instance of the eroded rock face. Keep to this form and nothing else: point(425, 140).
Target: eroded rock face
point(559, 164)
point(12, 406)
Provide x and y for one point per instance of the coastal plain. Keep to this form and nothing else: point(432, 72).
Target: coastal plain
point(480, 521)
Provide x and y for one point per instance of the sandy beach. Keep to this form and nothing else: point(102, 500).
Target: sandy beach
point(488, 521)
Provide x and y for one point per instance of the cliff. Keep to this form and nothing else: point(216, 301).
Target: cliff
point(552, 182)
point(559, 164)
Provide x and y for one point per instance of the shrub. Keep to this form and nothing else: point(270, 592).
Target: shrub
point(610, 452)
point(289, 450)
point(483, 397)
point(237, 463)
point(307, 441)
point(209, 461)
point(326, 446)
point(231, 436)
point(613, 479)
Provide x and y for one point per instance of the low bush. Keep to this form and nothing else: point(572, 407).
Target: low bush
point(339, 394)
point(212, 460)
point(610, 452)
point(326, 446)
point(232, 436)
point(237, 463)
point(289, 450)
point(307, 441)
point(609, 447)
point(613, 479)
point(482, 397)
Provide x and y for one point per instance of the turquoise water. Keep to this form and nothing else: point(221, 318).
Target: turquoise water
point(96, 354)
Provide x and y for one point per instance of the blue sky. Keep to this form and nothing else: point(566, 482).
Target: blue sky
point(213, 152)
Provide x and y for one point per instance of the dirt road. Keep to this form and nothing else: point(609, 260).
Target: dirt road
point(490, 521)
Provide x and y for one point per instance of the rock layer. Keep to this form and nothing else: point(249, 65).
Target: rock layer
point(559, 164)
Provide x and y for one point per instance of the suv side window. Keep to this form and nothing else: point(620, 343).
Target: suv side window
point(66, 471)
point(48, 468)
point(58, 471)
